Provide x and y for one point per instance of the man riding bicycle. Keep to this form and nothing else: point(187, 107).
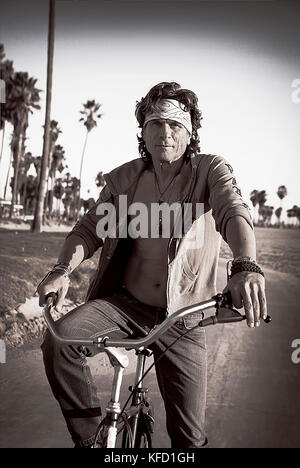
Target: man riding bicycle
point(143, 278)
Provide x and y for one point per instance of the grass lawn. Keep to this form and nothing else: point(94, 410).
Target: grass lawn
point(25, 258)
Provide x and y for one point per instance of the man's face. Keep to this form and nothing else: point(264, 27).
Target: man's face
point(166, 140)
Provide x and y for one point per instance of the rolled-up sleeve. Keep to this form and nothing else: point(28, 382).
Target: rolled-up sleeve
point(86, 227)
point(225, 197)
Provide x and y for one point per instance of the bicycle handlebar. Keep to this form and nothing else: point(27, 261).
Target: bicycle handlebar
point(224, 314)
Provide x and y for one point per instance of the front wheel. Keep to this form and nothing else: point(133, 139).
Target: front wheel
point(101, 437)
point(143, 436)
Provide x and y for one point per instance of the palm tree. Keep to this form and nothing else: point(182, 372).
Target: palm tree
point(26, 163)
point(76, 202)
point(278, 212)
point(58, 156)
point(38, 216)
point(25, 96)
point(90, 112)
point(54, 134)
point(12, 142)
point(261, 200)
point(37, 161)
point(294, 213)
point(266, 213)
point(70, 199)
point(282, 192)
point(100, 181)
point(58, 191)
point(6, 73)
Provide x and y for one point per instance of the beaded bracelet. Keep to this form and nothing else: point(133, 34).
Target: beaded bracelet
point(58, 268)
point(245, 265)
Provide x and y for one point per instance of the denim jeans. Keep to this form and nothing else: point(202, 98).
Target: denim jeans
point(181, 372)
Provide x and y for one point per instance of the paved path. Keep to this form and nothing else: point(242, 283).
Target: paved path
point(253, 387)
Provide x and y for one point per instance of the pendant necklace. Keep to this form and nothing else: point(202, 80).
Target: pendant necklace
point(161, 194)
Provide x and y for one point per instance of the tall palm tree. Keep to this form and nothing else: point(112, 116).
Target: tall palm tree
point(90, 113)
point(12, 143)
point(31, 190)
point(53, 136)
point(75, 194)
point(68, 192)
point(25, 97)
point(37, 161)
point(58, 191)
point(38, 216)
point(26, 163)
point(6, 74)
point(58, 156)
point(282, 192)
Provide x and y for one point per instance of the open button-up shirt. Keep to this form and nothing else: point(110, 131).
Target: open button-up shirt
point(193, 258)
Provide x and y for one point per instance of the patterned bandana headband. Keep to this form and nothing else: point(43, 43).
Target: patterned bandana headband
point(172, 110)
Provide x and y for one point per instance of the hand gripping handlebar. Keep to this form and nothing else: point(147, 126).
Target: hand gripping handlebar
point(224, 314)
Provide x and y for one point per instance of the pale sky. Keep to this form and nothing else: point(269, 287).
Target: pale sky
point(239, 57)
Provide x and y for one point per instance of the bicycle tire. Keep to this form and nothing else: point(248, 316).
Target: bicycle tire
point(101, 441)
point(143, 437)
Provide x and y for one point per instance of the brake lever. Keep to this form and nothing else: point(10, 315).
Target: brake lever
point(224, 304)
point(51, 299)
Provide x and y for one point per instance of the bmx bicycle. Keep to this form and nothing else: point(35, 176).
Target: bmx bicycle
point(137, 422)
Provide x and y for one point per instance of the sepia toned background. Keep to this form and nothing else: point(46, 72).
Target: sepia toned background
point(242, 60)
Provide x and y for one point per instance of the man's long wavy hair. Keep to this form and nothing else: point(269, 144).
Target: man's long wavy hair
point(170, 90)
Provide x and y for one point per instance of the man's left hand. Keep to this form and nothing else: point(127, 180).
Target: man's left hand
point(248, 290)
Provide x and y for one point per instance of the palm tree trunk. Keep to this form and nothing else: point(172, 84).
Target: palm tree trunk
point(59, 208)
point(80, 173)
point(51, 209)
point(16, 165)
point(2, 143)
point(38, 216)
point(25, 195)
point(8, 171)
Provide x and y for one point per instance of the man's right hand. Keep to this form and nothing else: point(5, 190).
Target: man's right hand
point(57, 283)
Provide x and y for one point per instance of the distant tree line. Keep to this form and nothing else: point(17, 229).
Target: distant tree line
point(263, 213)
point(62, 193)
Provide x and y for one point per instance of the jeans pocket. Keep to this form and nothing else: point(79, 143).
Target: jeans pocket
point(191, 321)
point(191, 332)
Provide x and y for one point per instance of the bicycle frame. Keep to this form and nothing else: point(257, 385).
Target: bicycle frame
point(119, 361)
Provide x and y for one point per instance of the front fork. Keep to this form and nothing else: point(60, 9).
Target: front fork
point(139, 391)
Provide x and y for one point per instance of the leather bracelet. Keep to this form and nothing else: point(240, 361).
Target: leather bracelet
point(245, 265)
point(63, 268)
